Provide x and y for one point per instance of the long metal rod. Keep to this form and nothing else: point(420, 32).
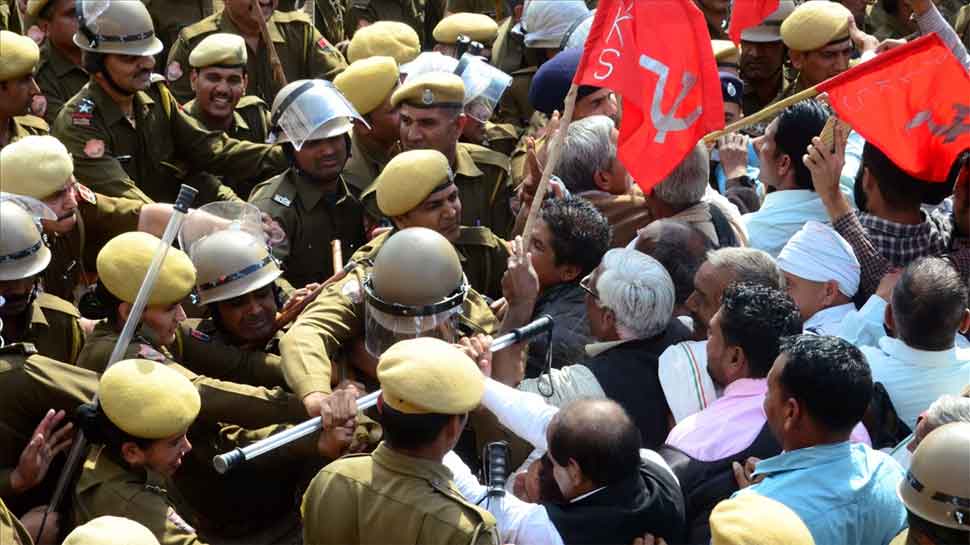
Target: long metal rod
point(225, 462)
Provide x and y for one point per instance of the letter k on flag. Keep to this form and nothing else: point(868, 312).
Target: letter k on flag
point(657, 55)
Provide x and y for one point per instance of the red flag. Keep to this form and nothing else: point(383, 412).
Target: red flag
point(748, 13)
point(657, 55)
point(912, 102)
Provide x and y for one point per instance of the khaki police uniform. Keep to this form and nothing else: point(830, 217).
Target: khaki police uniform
point(164, 146)
point(753, 104)
point(409, 12)
point(169, 17)
point(962, 25)
point(390, 497)
point(883, 25)
point(500, 137)
point(59, 79)
point(201, 340)
point(11, 531)
point(30, 385)
point(223, 400)
point(9, 18)
point(472, 6)
point(26, 125)
point(53, 328)
point(303, 52)
point(363, 166)
point(311, 218)
point(329, 18)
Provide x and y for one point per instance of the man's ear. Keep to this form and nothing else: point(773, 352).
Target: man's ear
point(965, 322)
point(792, 415)
point(569, 273)
point(193, 78)
point(831, 293)
point(784, 165)
point(797, 59)
point(738, 361)
point(602, 180)
point(132, 454)
point(124, 309)
point(245, 82)
point(888, 321)
point(460, 122)
point(575, 472)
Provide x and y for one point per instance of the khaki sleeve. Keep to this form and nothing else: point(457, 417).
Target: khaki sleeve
point(334, 318)
point(324, 60)
point(211, 357)
point(104, 220)
point(154, 512)
point(329, 510)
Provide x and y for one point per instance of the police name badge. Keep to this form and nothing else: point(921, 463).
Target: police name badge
point(282, 200)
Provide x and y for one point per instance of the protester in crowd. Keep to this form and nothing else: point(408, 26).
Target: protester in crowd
point(822, 275)
point(716, 14)
point(818, 390)
point(946, 409)
point(681, 248)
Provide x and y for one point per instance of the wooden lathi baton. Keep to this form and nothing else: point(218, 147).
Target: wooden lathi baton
point(761, 115)
point(274, 57)
point(286, 317)
point(555, 149)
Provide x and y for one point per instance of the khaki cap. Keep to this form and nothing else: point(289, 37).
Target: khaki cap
point(726, 53)
point(123, 263)
point(409, 178)
point(391, 38)
point(148, 400)
point(367, 83)
point(219, 49)
point(815, 24)
point(477, 26)
point(110, 530)
point(429, 376)
point(34, 7)
point(18, 55)
point(753, 518)
point(937, 487)
point(35, 166)
point(770, 29)
point(431, 90)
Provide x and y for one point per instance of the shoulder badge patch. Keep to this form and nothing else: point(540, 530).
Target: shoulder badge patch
point(149, 353)
point(38, 105)
point(323, 43)
point(282, 200)
point(94, 148)
point(428, 97)
point(178, 521)
point(174, 71)
point(85, 193)
point(84, 113)
point(36, 34)
point(351, 290)
point(196, 334)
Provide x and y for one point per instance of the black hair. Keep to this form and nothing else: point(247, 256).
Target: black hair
point(936, 533)
point(92, 420)
point(681, 248)
point(756, 318)
point(92, 62)
point(409, 431)
point(580, 233)
point(928, 304)
point(797, 125)
point(898, 189)
point(600, 436)
point(829, 377)
point(100, 304)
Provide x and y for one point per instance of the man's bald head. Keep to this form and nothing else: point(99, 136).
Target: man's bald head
point(600, 436)
point(680, 247)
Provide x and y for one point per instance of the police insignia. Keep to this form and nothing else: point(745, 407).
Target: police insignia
point(200, 336)
point(149, 353)
point(351, 290)
point(174, 71)
point(94, 148)
point(38, 105)
point(428, 97)
point(178, 521)
point(282, 200)
point(85, 193)
point(85, 106)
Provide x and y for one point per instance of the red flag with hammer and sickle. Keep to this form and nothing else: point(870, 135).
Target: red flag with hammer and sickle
point(657, 55)
point(912, 102)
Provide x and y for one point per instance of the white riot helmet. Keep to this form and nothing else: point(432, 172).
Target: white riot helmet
point(307, 110)
point(22, 250)
point(123, 27)
point(231, 259)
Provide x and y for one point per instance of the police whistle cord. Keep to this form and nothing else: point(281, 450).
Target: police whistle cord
point(555, 147)
point(229, 460)
point(184, 200)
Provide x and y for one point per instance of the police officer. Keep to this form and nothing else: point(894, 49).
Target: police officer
point(59, 74)
point(472, 26)
point(28, 314)
point(763, 57)
point(303, 52)
point(368, 85)
point(485, 86)
point(402, 492)
point(310, 200)
point(128, 136)
point(726, 56)
point(417, 189)
point(432, 118)
point(109, 529)
point(819, 46)
point(18, 58)
point(122, 266)
point(936, 491)
point(384, 37)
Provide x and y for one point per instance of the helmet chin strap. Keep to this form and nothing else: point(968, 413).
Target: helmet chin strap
point(113, 84)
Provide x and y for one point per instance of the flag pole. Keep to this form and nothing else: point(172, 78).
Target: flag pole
point(760, 116)
point(555, 147)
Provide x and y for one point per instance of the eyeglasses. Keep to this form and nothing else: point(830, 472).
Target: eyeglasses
point(585, 284)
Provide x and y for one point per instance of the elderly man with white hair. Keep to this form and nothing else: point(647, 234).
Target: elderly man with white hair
point(630, 302)
point(822, 274)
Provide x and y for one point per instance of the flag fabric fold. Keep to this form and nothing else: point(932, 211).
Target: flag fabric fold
point(657, 55)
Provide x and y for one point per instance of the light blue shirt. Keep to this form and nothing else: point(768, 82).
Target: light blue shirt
point(781, 215)
point(845, 493)
point(753, 170)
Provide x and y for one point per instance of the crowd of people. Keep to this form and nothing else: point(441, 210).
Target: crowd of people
point(769, 346)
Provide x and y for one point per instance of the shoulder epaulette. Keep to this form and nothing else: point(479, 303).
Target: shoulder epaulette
point(33, 122)
point(18, 349)
point(205, 26)
point(481, 154)
point(478, 236)
point(250, 100)
point(52, 302)
point(291, 16)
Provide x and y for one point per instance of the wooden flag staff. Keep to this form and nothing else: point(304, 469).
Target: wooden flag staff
point(760, 116)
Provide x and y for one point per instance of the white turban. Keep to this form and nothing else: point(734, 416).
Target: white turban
point(545, 22)
point(819, 254)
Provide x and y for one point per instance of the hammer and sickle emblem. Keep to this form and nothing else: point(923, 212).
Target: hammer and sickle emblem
point(666, 122)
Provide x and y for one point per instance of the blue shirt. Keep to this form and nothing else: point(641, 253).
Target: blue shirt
point(845, 493)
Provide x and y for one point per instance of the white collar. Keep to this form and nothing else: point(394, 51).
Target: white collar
point(898, 350)
point(828, 316)
point(586, 495)
point(595, 349)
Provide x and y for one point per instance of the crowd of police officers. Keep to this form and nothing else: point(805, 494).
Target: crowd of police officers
point(389, 126)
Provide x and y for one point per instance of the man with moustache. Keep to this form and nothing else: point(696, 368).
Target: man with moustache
point(18, 58)
point(59, 74)
point(128, 136)
point(819, 42)
point(763, 56)
point(302, 50)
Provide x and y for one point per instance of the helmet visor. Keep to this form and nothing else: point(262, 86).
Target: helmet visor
point(484, 86)
point(314, 111)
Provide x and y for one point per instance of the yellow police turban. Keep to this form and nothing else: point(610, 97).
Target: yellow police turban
point(148, 400)
point(432, 89)
point(427, 375)
point(35, 166)
point(219, 49)
point(409, 178)
point(726, 53)
point(477, 26)
point(389, 38)
point(753, 518)
point(18, 55)
point(815, 24)
point(34, 7)
point(110, 530)
point(368, 82)
point(123, 263)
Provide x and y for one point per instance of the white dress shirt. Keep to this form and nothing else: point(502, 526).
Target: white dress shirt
point(828, 321)
point(781, 215)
